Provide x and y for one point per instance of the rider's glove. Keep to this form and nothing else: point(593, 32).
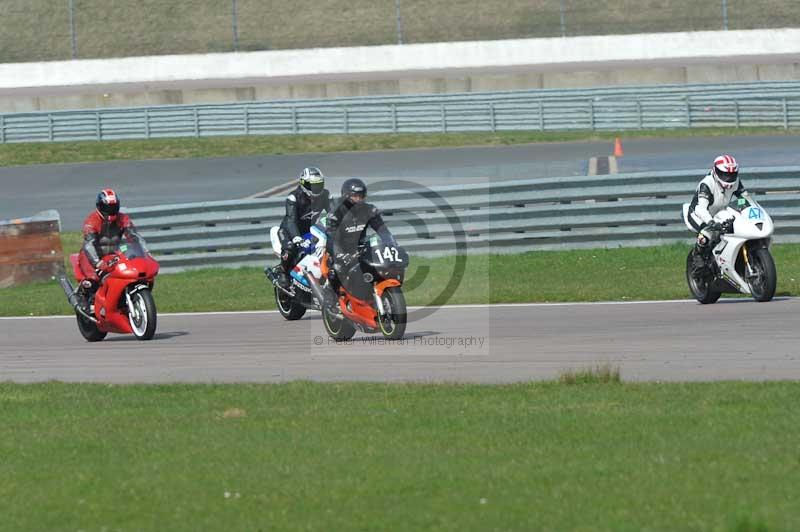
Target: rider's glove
point(305, 243)
point(296, 241)
point(101, 266)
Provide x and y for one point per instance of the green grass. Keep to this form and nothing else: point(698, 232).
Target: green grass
point(183, 148)
point(304, 456)
point(624, 274)
point(39, 30)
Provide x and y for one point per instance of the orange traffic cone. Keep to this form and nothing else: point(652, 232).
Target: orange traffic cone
point(618, 148)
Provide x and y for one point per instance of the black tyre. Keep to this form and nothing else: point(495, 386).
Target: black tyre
point(700, 285)
point(89, 330)
point(337, 326)
point(393, 325)
point(289, 309)
point(143, 317)
point(763, 283)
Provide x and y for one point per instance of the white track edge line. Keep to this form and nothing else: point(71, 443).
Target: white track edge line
point(445, 307)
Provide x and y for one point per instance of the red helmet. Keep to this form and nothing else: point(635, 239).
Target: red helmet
point(726, 171)
point(108, 204)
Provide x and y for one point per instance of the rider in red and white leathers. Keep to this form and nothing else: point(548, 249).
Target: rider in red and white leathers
point(711, 196)
point(103, 230)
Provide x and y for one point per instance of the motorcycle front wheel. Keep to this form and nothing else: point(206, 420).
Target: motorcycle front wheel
point(765, 278)
point(393, 323)
point(700, 286)
point(142, 316)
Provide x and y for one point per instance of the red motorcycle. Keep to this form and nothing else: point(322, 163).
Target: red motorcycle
point(124, 302)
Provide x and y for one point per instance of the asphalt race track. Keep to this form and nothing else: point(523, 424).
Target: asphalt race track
point(670, 341)
point(71, 188)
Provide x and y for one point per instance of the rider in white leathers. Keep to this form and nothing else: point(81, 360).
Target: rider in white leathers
point(711, 196)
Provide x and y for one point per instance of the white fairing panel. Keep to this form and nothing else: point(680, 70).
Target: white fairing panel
point(276, 242)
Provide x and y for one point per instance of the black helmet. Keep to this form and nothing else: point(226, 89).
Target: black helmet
point(107, 203)
point(354, 188)
point(312, 181)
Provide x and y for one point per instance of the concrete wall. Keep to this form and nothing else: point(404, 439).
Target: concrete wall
point(689, 57)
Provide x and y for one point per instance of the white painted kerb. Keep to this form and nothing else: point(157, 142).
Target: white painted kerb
point(399, 61)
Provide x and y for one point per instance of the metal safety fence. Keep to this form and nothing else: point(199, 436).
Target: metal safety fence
point(639, 209)
point(677, 106)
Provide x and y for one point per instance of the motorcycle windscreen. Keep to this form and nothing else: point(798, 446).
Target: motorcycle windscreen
point(132, 250)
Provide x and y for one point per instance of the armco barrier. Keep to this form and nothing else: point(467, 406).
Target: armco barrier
point(30, 249)
point(773, 104)
point(536, 214)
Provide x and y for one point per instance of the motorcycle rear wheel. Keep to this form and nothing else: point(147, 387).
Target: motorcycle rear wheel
point(393, 326)
point(700, 286)
point(766, 278)
point(338, 327)
point(89, 330)
point(290, 310)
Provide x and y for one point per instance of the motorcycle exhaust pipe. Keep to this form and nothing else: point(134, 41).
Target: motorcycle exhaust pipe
point(72, 298)
point(315, 287)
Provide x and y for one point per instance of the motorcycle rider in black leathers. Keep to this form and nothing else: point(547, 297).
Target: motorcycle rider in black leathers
point(303, 208)
point(711, 196)
point(347, 227)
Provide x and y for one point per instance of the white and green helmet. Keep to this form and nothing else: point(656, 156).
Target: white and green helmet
point(312, 181)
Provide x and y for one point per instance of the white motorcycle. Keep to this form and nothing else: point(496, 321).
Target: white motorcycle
point(741, 262)
point(304, 291)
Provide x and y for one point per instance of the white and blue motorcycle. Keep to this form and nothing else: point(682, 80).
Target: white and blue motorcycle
point(304, 291)
point(742, 262)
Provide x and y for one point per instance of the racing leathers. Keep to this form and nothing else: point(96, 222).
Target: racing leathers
point(709, 199)
point(302, 211)
point(347, 230)
point(101, 236)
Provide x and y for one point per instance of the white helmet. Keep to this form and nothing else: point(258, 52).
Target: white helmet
point(726, 171)
point(312, 181)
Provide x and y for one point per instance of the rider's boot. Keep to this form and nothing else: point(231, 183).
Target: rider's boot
point(83, 294)
point(701, 259)
point(278, 276)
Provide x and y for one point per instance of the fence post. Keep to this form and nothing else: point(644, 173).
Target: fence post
point(3, 128)
point(147, 123)
point(98, 134)
point(563, 18)
point(541, 115)
point(394, 118)
point(196, 122)
point(246, 119)
point(235, 22)
point(785, 114)
point(444, 119)
point(50, 127)
point(736, 108)
point(399, 17)
point(294, 120)
point(344, 120)
point(73, 37)
point(491, 116)
point(724, 14)
point(639, 111)
point(688, 112)
point(591, 114)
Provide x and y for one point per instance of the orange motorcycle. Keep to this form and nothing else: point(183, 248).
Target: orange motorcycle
point(370, 296)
